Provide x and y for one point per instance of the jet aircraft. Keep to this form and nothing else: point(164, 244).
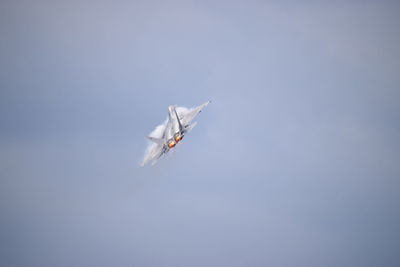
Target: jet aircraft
point(166, 136)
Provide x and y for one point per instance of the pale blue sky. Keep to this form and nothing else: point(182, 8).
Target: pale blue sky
point(295, 162)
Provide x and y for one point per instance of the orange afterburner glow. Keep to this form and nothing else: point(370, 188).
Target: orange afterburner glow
point(171, 144)
point(178, 138)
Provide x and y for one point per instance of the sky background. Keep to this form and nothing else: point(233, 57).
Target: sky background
point(294, 163)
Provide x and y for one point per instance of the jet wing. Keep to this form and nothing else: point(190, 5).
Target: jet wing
point(187, 117)
point(157, 146)
point(156, 140)
point(154, 153)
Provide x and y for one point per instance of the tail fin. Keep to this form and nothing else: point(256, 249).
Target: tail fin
point(179, 121)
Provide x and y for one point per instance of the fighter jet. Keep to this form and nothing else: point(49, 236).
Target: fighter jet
point(166, 136)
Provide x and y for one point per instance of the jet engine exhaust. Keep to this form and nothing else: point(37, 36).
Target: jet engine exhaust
point(171, 132)
point(178, 138)
point(171, 143)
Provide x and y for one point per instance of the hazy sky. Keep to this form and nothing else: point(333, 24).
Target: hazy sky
point(294, 163)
